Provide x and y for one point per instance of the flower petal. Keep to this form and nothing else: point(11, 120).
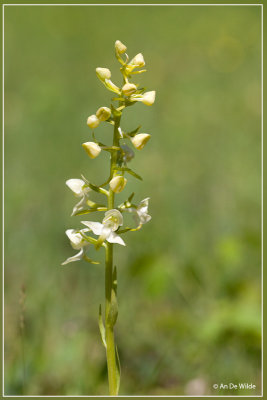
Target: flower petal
point(96, 227)
point(76, 186)
point(114, 238)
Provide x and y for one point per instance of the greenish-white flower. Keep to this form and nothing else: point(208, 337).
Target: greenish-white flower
point(78, 243)
point(77, 186)
point(141, 212)
point(117, 183)
point(103, 113)
point(106, 231)
point(92, 149)
point(93, 121)
point(140, 140)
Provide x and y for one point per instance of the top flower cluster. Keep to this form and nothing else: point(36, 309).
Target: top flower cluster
point(129, 93)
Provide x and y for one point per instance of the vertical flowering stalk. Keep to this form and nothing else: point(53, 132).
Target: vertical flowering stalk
point(110, 230)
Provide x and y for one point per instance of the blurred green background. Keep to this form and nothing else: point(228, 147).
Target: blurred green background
point(189, 281)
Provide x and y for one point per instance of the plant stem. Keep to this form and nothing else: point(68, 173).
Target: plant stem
point(110, 349)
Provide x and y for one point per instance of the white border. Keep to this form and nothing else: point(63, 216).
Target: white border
point(132, 5)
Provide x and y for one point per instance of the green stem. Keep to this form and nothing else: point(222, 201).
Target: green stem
point(110, 349)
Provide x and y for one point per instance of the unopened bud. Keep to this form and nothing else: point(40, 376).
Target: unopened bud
point(103, 113)
point(149, 98)
point(92, 149)
point(103, 73)
point(140, 140)
point(138, 60)
point(93, 121)
point(117, 183)
point(120, 47)
point(128, 89)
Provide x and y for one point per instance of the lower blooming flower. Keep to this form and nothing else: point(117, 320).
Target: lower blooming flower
point(112, 220)
point(78, 243)
point(141, 216)
point(77, 186)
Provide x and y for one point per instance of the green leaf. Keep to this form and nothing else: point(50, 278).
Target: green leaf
point(131, 197)
point(94, 187)
point(118, 369)
point(90, 211)
point(113, 310)
point(133, 133)
point(101, 327)
point(130, 171)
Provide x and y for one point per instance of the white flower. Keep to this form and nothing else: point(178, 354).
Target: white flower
point(120, 47)
point(103, 73)
point(128, 89)
point(140, 140)
point(103, 113)
point(78, 243)
point(77, 186)
point(148, 98)
point(93, 121)
point(92, 149)
point(117, 183)
point(112, 220)
point(141, 214)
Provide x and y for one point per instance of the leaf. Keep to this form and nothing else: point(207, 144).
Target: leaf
point(132, 133)
point(113, 310)
point(118, 369)
point(131, 197)
point(90, 211)
point(101, 327)
point(130, 171)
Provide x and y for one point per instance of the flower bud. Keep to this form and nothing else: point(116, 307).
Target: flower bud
point(138, 60)
point(117, 183)
point(120, 47)
point(149, 98)
point(93, 121)
point(128, 89)
point(140, 140)
point(103, 113)
point(103, 73)
point(92, 149)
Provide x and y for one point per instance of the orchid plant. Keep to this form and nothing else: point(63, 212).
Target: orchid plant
point(110, 230)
